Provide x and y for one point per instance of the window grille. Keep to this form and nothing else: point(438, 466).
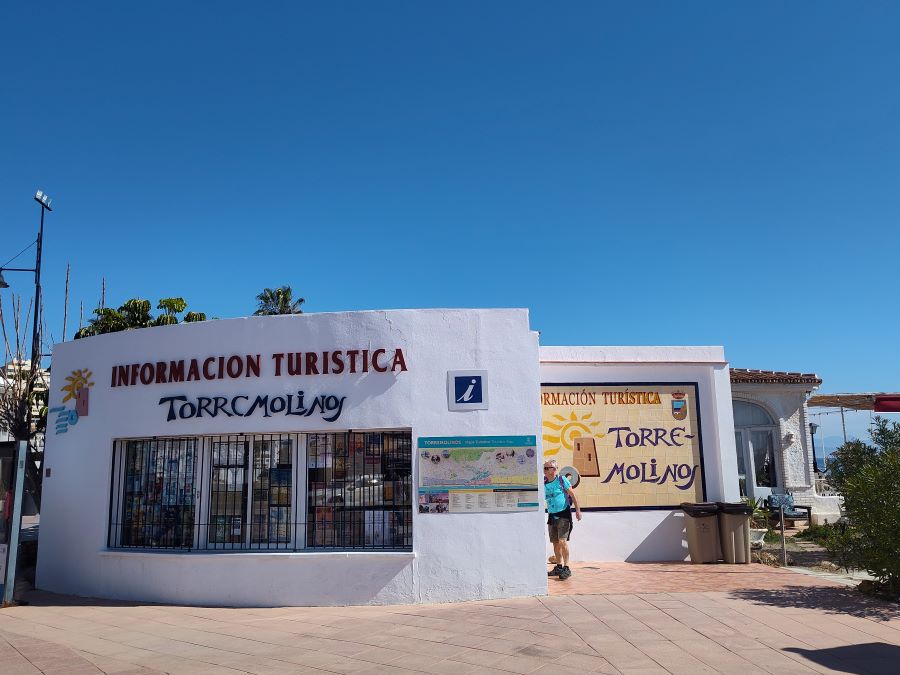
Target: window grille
point(359, 491)
point(334, 491)
point(154, 504)
point(227, 492)
point(272, 485)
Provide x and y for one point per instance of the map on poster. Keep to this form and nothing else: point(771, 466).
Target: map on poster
point(478, 474)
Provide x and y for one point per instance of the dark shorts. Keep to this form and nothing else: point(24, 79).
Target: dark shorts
point(559, 527)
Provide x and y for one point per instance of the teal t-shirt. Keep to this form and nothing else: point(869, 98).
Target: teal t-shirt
point(554, 492)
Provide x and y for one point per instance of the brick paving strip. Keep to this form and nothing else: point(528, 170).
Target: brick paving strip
point(608, 618)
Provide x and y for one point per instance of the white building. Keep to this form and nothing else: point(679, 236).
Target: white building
point(772, 438)
point(632, 517)
point(364, 457)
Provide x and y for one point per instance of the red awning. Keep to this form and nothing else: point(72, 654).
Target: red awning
point(887, 403)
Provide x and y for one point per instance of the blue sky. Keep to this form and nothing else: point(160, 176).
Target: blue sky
point(633, 173)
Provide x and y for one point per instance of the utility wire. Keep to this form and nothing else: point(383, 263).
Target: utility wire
point(19, 253)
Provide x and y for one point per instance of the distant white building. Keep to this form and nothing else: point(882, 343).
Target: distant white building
point(9, 374)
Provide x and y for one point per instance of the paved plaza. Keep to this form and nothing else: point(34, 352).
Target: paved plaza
point(608, 618)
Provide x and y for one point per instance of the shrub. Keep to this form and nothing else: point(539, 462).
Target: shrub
point(772, 536)
point(867, 477)
point(816, 533)
point(842, 544)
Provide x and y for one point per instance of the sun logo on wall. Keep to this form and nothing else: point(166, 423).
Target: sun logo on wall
point(560, 432)
point(78, 387)
point(78, 380)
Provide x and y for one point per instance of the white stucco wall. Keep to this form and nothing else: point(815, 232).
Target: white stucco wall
point(455, 556)
point(652, 535)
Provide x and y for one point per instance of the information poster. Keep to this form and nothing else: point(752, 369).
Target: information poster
point(634, 445)
point(478, 474)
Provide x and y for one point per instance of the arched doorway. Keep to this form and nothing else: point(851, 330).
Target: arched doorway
point(754, 439)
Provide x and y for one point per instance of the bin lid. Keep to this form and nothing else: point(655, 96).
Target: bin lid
point(701, 509)
point(735, 508)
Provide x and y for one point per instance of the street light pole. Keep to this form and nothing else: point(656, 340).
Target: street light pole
point(12, 552)
point(813, 427)
point(44, 201)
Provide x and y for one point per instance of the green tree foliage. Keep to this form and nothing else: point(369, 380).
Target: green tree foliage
point(278, 301)
point(868, 477)
point(171, 308)
point(135, 313)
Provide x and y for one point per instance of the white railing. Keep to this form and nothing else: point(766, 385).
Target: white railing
point(823, 489)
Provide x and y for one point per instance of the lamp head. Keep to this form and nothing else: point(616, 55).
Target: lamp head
point(43, 199)
point(3, 283)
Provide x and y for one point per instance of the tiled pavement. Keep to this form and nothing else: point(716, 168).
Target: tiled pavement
point(606, 618)
point(605, 578)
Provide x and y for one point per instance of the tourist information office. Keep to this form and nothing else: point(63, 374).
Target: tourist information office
point(362, 457)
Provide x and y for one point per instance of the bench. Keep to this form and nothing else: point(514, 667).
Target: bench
point(792, 511)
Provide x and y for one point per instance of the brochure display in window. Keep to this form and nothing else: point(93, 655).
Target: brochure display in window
point(272, 490)
point(240, 492)
point(359, 490)
point(228, 492)
point(157, 504)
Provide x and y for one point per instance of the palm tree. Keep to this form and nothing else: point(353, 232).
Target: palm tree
point(278, 301)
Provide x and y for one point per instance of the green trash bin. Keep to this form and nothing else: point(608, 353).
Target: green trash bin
point(734, 532)
point(701, 526)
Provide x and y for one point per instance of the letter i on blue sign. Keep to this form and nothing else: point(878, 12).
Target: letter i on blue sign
point(468, 389)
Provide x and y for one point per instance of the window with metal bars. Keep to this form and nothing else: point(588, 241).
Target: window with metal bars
point(154, 501)
point(359, 490)
point(243, 492)
point(251, 493)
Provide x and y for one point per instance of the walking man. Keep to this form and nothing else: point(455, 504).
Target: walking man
point(560, 497)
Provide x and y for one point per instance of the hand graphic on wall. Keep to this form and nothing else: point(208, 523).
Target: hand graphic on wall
point(64, 418)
